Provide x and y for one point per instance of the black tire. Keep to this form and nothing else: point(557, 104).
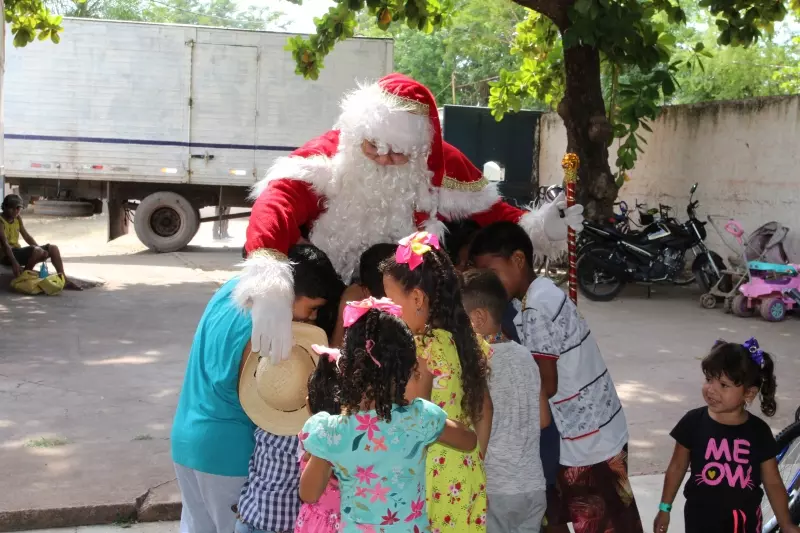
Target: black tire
point(63, 208)
point(788, 435)
point(588, 270)
point(772, 309)
point(739, 306)
point(704, 274)
point(784, 439)
point(166, 222)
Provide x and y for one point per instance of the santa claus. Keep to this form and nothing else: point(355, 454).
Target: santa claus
point(382, 174)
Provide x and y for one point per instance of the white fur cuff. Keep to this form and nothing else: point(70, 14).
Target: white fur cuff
point(266, 289)
point(316, 171)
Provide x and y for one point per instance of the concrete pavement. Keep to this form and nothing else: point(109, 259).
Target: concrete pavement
point(647, 490)
point(89, 381)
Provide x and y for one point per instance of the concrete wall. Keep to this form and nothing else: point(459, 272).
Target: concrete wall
point(745, 155)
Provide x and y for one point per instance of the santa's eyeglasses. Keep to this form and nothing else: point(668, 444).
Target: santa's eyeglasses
point(383, 154)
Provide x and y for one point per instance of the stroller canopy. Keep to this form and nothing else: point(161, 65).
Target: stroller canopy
point(769, 244)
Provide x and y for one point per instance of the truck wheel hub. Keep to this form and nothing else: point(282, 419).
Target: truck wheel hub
point(165, 222)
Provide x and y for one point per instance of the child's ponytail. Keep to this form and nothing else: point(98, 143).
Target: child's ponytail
point(768, 386)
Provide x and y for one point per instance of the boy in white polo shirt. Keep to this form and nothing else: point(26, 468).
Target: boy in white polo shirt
point(593, 488)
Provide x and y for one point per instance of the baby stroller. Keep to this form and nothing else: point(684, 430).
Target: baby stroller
point(764, 244)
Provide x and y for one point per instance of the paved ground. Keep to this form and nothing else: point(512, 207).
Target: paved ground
point(647, 490)
point(89, 381)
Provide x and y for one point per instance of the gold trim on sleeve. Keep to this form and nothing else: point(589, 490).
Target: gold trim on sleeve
point(270, 253)
point(473, 186)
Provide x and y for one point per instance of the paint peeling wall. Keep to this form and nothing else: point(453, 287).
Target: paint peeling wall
point(745, 155)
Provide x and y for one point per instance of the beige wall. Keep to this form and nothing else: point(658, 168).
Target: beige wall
point(745, 155)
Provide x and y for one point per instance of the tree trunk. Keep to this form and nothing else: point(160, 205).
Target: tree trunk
point(588, 131)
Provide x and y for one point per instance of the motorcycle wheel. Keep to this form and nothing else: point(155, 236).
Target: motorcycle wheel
point(704, 273)
point(594, 281)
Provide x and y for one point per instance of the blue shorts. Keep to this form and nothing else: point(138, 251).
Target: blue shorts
point(550, 452)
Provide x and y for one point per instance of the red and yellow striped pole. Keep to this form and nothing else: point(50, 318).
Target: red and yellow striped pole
point(570, 164)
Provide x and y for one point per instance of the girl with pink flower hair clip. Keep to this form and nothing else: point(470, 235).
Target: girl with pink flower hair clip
point(376, 445)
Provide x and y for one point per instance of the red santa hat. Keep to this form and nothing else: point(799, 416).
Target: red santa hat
point(400, 113)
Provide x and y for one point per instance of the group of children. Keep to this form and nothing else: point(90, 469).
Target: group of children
point(479, 401)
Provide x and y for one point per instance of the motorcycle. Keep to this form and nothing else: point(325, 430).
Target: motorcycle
point(609, 259)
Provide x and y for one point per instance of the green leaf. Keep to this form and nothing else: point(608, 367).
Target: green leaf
point(666, 39)
point(414, 450)
point(357, 441)
point(583, 6)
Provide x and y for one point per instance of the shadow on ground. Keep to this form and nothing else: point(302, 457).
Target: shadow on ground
point(653, 348)
point(88, 387)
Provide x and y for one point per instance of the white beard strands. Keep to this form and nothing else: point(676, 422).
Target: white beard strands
point(367, 204)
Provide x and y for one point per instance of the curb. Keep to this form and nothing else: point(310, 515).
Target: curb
point(143, 510)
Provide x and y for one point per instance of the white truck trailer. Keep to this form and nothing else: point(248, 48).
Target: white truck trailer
point(164, 120)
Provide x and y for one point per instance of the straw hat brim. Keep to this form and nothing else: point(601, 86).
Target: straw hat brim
point(270, 419)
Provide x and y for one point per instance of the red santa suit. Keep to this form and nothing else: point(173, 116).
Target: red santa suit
point(349, 202)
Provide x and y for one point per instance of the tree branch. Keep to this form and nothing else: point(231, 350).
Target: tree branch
point(555, 10)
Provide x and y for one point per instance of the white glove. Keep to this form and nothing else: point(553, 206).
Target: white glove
point(554, 226)
point(272, 329)
point(266, 289)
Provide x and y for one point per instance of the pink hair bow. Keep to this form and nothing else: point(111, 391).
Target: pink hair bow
point(355, 310)
point(413, 247)
point(332, 354)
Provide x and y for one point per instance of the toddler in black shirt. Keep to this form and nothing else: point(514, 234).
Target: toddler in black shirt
point(731, 452)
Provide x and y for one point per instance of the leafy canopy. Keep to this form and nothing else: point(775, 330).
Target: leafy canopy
point(29, 20)
point(643, 60)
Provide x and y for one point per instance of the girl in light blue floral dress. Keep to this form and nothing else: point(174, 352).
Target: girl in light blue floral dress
point(377, 446)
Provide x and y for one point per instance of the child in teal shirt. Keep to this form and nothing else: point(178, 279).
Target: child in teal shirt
point(212, 437)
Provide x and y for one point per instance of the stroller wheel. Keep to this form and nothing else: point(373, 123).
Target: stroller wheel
point(772, 309)
point(740, 307)
point(708, 301)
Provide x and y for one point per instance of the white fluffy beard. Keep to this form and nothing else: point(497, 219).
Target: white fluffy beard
point(367, 204)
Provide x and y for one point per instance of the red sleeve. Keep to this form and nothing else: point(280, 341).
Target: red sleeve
point(279, 213)
point(499, 212)
point(288, 204)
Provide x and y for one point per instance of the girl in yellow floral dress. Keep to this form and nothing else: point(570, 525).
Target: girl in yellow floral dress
point(422, 280)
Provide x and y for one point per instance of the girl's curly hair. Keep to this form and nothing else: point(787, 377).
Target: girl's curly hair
point(361, 379)
point(438, 279)
point(323, 387)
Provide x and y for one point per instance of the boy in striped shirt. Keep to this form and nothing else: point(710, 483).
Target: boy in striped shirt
point(593, 488)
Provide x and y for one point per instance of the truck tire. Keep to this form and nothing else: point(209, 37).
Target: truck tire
point(63, 208)
point(165, 222)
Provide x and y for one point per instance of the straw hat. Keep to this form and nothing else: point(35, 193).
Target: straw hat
point(274, 396)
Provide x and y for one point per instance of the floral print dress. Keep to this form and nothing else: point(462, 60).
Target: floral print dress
point(456, 481)
point(323, 516)
point(380, 465)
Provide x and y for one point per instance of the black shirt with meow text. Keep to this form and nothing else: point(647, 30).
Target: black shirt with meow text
point(723, 492)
